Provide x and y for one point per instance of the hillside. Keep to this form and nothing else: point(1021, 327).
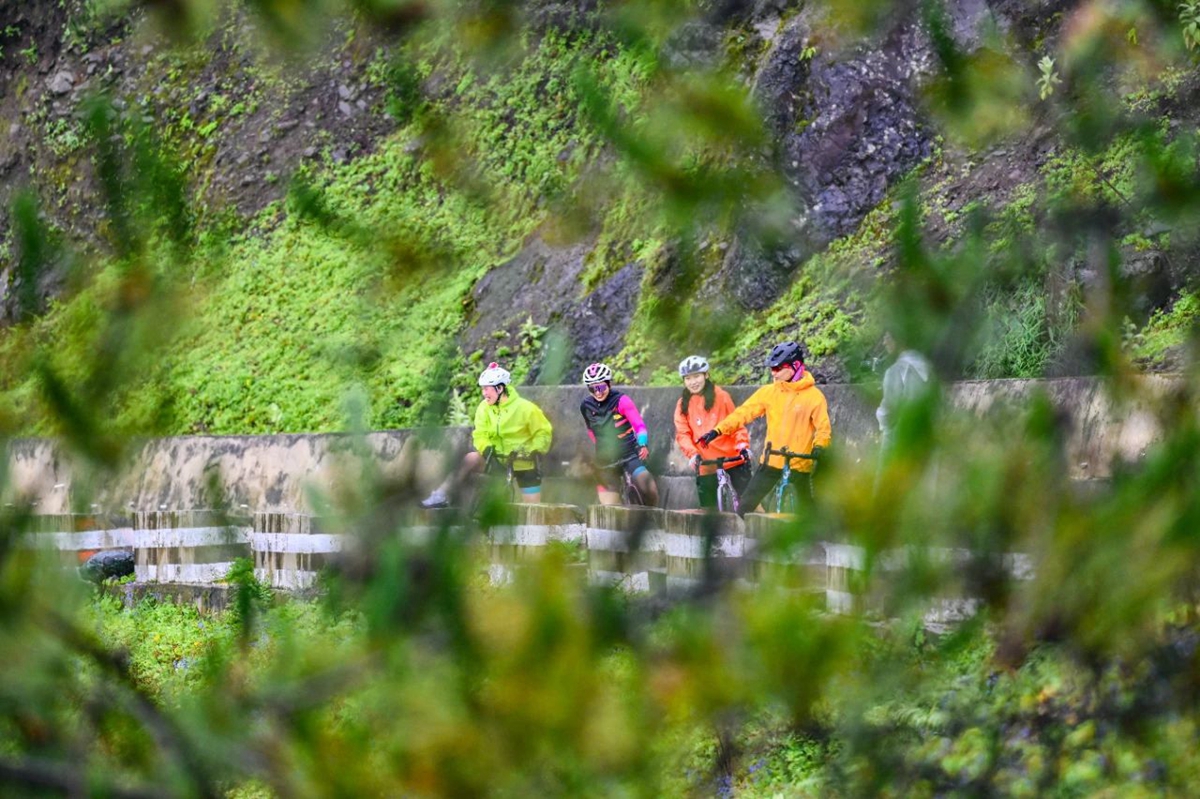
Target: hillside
point(259, 221)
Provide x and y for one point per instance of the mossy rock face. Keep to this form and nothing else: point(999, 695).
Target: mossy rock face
point(540, 288)
point(352, 218)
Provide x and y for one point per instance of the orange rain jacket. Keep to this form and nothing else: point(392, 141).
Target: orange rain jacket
point(698, 421)
point(797, 418)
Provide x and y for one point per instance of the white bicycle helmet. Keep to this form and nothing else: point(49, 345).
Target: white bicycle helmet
point(494, 375)
point(597, 373)
point(693, 364)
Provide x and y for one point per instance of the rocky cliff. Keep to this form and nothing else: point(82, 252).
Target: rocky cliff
point(557, 235)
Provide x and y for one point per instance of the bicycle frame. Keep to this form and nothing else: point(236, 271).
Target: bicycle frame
point(629, 490)
point(510, 478)
point(723, 480)
point(785, 478)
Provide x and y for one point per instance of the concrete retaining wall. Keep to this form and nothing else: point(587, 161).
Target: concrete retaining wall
point(279, 473)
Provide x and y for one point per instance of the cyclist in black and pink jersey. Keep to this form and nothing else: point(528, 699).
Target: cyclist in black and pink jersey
point(616, 428)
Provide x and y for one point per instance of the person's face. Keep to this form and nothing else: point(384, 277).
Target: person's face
point(491, 394)
point(783, 373)
point(598, 390)
point(695, 382)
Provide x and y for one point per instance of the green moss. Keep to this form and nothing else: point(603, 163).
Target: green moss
point(360, 286)
point(1166, 333)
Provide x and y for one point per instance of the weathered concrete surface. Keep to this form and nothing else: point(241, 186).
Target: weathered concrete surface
point(245, 473)
point(188, 547)
point(210, 598)
point(284, 472)
point(700, 545)
point(625, 548)
point(534, 527)
point(1099, 431)
point(290, 549)
point(76, 537)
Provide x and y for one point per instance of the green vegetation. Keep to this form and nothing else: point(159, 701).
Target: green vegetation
point(918, 713)
point(341, 302)
point(281, 316)
point(1162, 340)
point(281, 322)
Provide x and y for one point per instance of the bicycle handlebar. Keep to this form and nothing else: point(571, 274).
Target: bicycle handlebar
point(719, 462)
point(621, 462)
point(511, 458)
point(787, 453)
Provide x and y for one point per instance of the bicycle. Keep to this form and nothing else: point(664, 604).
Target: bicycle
point(630, 495)
point(512, 489)
point(727, 498)
point(785, 501)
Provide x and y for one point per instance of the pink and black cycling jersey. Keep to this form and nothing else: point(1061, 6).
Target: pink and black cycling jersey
point(614, 426)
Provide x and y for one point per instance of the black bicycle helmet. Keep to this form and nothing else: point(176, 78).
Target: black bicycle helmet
point(788, 352)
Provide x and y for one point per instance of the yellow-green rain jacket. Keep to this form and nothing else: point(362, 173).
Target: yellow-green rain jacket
point(514, 424)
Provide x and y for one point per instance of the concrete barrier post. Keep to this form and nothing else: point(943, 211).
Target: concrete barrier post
point(195, 546)
point(953, 601)
point(700, 545)
point(844, 592)
point(534, 527)
point(771, 560)
point(75, 537)
point(290, 549)
point(625, 547)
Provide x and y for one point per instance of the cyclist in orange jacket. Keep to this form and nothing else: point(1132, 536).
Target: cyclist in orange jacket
point(797, 420)
point(702, 405)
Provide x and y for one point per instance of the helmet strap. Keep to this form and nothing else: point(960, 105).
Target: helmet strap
point(797, 371)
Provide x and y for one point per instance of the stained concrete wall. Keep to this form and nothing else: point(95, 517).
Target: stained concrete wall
point(246, 473)
point(281, 472)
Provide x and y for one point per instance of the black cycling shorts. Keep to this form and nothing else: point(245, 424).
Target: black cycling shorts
point(526, 479)
point(613, 477)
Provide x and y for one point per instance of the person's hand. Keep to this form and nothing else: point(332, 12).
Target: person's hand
point(747, 455)
point(707, 438)
point(695, 462)
point(816, 456)
point(644, 453)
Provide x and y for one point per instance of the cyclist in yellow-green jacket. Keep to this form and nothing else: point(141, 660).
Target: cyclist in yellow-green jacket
point(505, 424)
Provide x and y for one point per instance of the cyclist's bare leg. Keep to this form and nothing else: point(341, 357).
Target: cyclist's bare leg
point(647, 486)
point(472, 463)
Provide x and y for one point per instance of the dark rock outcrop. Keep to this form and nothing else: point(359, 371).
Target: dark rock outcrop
point(847, 127)
point(543, 285)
